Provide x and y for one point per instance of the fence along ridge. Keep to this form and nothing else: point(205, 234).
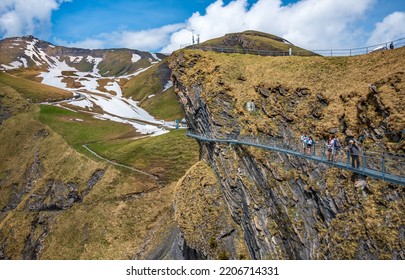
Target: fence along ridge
point(324, 52)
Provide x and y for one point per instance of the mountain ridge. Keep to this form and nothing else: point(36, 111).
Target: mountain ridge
point(33, 52)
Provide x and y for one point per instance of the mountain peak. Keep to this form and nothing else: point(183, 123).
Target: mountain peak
point(253, 40)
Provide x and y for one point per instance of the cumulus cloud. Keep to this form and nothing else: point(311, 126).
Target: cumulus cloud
point(24, 17)
point(145, 39)
point(391, 28)
point(151, 39)
point(85, 44)
point(311, 24)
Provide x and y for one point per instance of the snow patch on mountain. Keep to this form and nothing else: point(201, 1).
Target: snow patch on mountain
point(76, 59)
point(24, 61)
point(31, 52)
point(96, 61)
point(141, 128)
point(116, 108)
point(53, 78)
point(135, 58)
point(155, 56)
point(90, 84)
point(84, 103)
point(114, 86)
point(12, 65)
point(168, 85)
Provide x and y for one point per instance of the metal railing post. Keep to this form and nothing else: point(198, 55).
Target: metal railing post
point(323, 152)
point(348, 159)
point(383, 165)
point(364, 161)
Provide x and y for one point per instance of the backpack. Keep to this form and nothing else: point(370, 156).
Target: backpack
point(336, 144)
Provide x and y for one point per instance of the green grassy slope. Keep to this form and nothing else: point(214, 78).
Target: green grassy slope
point(167, 156)
point(80, 128)
point(118, 62)
point(164, 104)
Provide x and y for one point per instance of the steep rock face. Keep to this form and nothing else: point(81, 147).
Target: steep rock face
point(200, 212)
point(289, 208)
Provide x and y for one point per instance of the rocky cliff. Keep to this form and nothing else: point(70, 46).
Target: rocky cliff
point(283, 207)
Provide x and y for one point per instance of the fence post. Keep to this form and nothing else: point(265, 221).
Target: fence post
point(383, 166)
point(323, 152)
point(364, 161)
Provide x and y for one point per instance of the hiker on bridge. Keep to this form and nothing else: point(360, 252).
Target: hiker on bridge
point(309, 142)
point(354, 152)
point(328, 145)
point(304, 140)
point(335, 145)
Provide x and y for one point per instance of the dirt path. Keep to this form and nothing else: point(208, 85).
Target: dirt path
point(119, 164)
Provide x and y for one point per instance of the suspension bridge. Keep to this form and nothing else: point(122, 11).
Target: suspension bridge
point(381, 166)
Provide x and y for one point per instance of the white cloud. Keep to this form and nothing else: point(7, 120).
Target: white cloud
point(391, 28)
point(24, 17)
point(311, 24)
point(151, 39)
point(85, 44)
point(143, 40)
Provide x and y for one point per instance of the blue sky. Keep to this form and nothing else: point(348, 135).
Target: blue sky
point(166, 25)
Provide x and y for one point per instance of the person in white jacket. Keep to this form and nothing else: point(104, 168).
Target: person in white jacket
point(304, 139)
point(328, 145)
